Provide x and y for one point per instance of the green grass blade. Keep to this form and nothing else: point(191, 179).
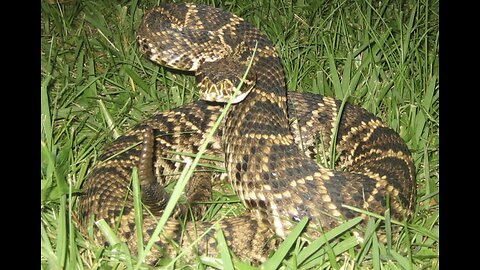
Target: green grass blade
point(223, 249)
point(337, 86)
point(137, 206)
point(47, 249)
point(370, 230)
point(319, 257)
point(92, 89)
point(375, 253)
point(277, 258)
point(388, 228)
point(45, 112)
point(119, 248)
point(428, 98)
point(97, 19)
point(107, 232)
point(62, 239)
point(72, 249)
point(346, 75)
point(209, 261)
point(318, 243)
point(405, 263)
point(136, 78)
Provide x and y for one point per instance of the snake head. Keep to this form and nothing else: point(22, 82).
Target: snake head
point(218, 81)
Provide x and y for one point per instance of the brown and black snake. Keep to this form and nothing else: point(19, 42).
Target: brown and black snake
point(270, 142)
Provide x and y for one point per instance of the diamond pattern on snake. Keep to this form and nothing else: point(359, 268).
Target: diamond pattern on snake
point(268, 139)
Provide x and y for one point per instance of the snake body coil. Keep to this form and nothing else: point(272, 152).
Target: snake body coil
point(270, 143)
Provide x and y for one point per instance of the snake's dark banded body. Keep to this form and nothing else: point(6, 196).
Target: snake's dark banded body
point(263, 139)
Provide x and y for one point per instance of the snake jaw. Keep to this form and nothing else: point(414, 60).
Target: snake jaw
point(223, 91)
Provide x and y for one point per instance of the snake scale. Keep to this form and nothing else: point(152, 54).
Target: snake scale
point(270, 144)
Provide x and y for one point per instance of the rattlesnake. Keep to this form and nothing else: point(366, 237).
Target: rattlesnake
point(268, 141)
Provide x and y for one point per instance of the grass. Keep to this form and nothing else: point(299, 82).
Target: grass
point(382, 56)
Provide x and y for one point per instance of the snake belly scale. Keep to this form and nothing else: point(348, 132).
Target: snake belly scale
point(269, 143)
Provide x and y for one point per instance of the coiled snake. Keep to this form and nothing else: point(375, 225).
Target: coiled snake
point(269, 143)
